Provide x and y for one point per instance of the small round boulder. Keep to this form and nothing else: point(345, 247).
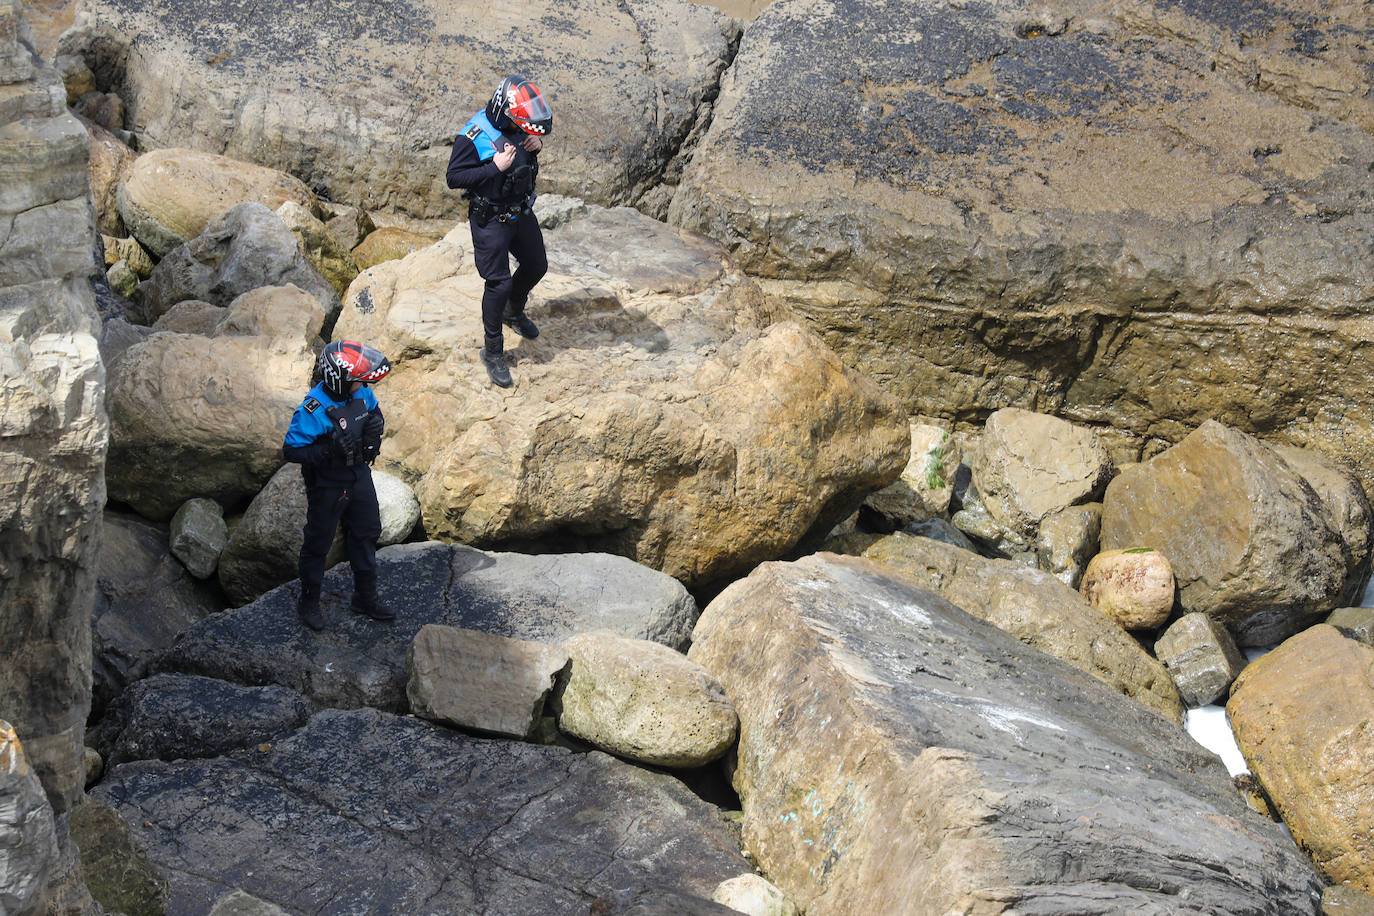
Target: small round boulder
point(1134, 587)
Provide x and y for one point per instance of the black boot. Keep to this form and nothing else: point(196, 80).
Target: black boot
point(308, 607)
point(495, 361)
point(365, 600)
point(515, 318)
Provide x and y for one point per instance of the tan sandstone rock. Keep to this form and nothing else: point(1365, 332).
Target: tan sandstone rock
point(205, 416)
point(333, 261)
point(925, 487)
point(373, 120)
point(1029, 465)
point(1037, 609)
point(1021, 205)
point(111, 161)
point(170, 195)
point(1247, 537)
point(661, 415)
point(1134, 587)
point(388, 244)
point(644, 701)
point(1303, 716)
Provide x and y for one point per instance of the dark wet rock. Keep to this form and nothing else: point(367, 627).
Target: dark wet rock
point(356, 661)
point(169, 717)
point(334, 819)
point(145, 599)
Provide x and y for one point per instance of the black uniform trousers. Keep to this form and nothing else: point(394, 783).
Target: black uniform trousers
point(355, 506)
point(493, 242)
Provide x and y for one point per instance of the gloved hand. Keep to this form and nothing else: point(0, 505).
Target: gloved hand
point(343, 448)
point(373, 427)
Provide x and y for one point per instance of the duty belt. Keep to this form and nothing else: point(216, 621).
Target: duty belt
point(484, 210)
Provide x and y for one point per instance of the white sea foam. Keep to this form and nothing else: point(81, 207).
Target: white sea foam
point(1208, 726)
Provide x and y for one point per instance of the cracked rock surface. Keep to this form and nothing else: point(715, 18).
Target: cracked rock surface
point(333, 820)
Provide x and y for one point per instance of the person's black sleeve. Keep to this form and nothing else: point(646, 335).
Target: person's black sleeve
point(317, 454)
point(465, 170)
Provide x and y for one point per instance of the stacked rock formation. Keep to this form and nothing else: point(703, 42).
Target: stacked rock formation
point(52, 419)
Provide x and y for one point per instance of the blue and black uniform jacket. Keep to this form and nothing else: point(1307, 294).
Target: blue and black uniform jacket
point(307, 439)
point(470, 165)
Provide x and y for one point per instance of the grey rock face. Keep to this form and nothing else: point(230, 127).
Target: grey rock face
point(52, 417)
point(899, 756)
point(1355, 622)
point(359, 662)
point(198, 536)
point(247, 247)
point(480, 681)
point(1201, 656)
point(27, 834)
point(145, 599)
point(628, 81)
point(333, 817)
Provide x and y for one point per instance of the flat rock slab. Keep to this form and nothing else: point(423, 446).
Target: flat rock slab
point(333, 820)
point(360, 662)
point(897, 755)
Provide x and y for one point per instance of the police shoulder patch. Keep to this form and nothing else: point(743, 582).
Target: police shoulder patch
point(473, 132)
point(311, 405)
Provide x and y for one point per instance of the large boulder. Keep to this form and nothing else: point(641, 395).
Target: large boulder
point(244, 248)
point(1037, 609)
point(170, 717)
point(1248, 537)
point(659, 416)
point(899, 756)
point(265, 546)
point(52, 416)
point(364, 103)
point(169, 196)
point(359, 662)
point(1113, 212)
point(364, 810)
point(1303, 716)
point(205, 416)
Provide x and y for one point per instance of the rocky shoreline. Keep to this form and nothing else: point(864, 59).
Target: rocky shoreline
point(968, 389)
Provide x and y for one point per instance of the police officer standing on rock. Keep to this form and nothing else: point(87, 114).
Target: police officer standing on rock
point(496, 160)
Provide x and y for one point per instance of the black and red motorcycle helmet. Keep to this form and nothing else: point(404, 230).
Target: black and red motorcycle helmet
point(518, 102)
point(346, 361)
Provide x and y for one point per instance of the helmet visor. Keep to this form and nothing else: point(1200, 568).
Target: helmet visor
point(527, 108)
point(364, 363)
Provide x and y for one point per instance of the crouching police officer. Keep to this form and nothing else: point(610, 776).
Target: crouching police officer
point(335, 435)
point(496, 160)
